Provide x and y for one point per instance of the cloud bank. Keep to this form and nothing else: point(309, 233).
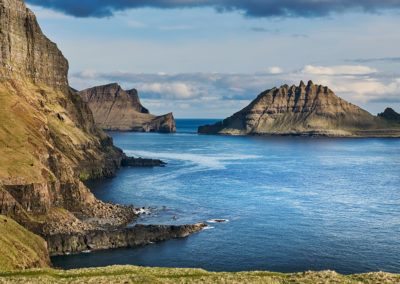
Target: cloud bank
point(251, 8)
point(221, 94)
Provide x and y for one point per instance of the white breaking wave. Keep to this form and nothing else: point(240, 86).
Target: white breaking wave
point(204, 161)
point(217, 221)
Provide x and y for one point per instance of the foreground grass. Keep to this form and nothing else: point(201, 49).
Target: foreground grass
point(134, 274)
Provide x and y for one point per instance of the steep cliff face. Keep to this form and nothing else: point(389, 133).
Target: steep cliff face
point(48, 139)
point(116, 109)
point(302, 110)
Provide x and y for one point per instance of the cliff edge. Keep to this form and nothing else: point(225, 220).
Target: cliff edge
point(116, 109)
point(307, 110)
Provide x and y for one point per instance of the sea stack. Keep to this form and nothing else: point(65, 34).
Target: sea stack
point(117, 109)
point(306, 110)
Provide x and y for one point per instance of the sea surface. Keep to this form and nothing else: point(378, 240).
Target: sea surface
point(292, 204)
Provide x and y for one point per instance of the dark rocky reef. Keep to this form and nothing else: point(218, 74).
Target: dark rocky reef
point(117, 109)
point(139, 235)
point(140, 162)
point(306, 110)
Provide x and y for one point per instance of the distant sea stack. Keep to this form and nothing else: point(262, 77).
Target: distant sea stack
point(117, 109)
point(305, 110)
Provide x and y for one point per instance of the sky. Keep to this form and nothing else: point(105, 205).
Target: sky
point(209, 59)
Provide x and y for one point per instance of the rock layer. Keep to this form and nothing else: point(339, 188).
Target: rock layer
point(310, 110)
point(138, 235)
point(116, 109)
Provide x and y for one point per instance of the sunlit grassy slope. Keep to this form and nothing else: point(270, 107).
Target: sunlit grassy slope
point(20, 248)
point(134, 274)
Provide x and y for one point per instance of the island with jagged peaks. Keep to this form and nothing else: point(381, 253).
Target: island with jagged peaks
point(305, 110)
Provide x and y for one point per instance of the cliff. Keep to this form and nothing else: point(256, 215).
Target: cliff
point(48, 139)
point(312, 110)
point(116, 109)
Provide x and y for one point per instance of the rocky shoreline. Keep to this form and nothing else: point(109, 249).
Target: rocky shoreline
point(139, 235)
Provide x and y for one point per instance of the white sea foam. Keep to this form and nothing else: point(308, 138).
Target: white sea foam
point(208, 228)
point(205, 161)
point(217, 221)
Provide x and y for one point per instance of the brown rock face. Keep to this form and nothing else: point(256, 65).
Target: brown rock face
point(303, 110)
point(26, 51)
point(116, 109)
point(48, 138)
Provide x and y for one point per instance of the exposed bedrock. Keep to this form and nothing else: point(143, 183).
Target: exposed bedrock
point(138, 235)
point(306, 110)
point(117, 109)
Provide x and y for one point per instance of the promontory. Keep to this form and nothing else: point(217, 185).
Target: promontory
point(116, 109)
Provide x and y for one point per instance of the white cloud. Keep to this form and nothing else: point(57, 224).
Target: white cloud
point(173, 90)
point(338, 70)
point(275, 70)
point(202, 94)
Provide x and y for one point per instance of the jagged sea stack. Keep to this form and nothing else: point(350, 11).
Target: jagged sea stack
point(116, 109)
point(307, 110)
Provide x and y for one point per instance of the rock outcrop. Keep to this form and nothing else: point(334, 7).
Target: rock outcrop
point(138, 235)
point(390, 115)
point(116, 109)
point(309, 110)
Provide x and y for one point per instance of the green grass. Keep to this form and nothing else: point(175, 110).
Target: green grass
point(19, 248)
point(135, 274)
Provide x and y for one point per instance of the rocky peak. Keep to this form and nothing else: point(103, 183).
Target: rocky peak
point(25, 51)
point(390, 114)
point(300, 110)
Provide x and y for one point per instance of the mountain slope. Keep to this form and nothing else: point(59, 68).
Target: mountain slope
point(116, 109)
point(48, 139)
point(19, 248)
point(303, 110)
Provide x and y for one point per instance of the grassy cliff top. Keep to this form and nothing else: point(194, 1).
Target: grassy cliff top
point(134, 274)
point(19, 248)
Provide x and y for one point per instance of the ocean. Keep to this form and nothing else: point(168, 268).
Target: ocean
point(291, 203)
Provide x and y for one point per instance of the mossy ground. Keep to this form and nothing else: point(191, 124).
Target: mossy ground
point(20, 248)
point(134, 274)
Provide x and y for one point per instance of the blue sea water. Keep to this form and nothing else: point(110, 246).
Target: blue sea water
point(293, 204)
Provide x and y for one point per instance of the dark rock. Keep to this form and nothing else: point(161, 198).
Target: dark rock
point(390, 114)
point(140, 162)
point(138, 235)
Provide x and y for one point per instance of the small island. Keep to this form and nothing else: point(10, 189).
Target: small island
point(305, 110)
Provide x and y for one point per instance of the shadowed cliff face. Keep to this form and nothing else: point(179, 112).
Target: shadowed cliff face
point(302, 110)
point(26, 51)
point(116, 109)
point(48, 139)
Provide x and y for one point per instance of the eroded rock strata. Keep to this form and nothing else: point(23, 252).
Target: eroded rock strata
point(308, 110)
point(116, 109)
point(138, 235)
point(49, 142)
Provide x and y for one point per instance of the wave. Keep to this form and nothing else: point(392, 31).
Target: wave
point(210, 161)
point(217, 221)
point(208, 228)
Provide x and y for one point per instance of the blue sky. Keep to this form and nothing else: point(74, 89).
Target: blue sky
point(210, 60)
